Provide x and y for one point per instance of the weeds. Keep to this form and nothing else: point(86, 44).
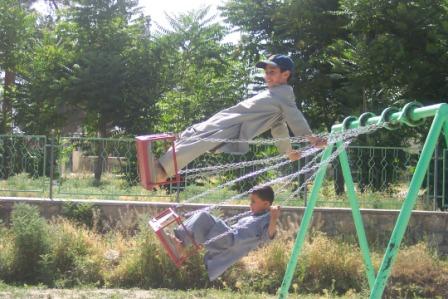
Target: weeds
point(63, 253)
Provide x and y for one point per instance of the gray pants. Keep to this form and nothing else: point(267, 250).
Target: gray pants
point(188, 150)
point(202, 227)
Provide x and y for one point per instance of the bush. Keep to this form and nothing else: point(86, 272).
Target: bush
point(30, 242)
point(331, 264)
point(75, 257)
point(6, 242)
point(418, 272)
point(262, 270)
point(324, 264)
point(83, 213)
point(65, 254)
point(148, 266)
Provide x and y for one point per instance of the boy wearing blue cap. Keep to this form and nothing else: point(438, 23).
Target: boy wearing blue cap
point(273, 109)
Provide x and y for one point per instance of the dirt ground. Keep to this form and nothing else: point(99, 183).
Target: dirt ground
point(41, 293)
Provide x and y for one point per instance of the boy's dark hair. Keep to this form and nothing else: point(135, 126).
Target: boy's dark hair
point(264, 193)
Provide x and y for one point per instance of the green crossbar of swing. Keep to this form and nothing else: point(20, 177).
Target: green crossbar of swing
point(377, 283)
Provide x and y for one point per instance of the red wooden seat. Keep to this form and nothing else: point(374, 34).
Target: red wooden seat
point(162, 221)
point(146, 159)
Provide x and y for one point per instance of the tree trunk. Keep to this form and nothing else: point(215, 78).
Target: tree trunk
point(338, 181)
point(338, 178)
point(6, 126)
point(10, 78)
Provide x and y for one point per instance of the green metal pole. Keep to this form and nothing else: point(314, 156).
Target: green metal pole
point(357, 218)
point(445, 133)
point(408, 204)
point(290, 269)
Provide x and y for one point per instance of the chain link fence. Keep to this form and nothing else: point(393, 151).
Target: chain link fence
point(107, 168)
point(23, 165)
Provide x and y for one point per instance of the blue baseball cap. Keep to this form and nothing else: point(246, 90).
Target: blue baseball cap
point(282, 61)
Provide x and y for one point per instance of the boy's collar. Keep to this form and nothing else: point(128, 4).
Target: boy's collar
point(279, 85)
point(260, 213)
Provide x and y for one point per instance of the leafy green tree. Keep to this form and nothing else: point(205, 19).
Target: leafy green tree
point(112, 75)
point(399, 51)
point(16, 27)
point(401, 46)
point(306, 30)
point(115, 79)
point(40, 102)
point(206, 74)
point(352, 56)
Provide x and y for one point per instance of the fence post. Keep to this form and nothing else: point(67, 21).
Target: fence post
point(436, 177)
point(51, 163)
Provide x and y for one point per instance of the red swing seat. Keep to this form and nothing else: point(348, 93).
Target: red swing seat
point(146, 159)
point(164, 220)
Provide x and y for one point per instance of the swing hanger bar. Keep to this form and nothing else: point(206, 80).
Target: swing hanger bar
point(411, 115)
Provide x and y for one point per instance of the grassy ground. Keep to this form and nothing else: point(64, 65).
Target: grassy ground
point(40, 292)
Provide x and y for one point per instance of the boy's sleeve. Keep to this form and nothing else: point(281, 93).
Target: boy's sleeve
point(255, 233)
point(294, 118)
point(245, 234)
point(280, 130)
point(265, 234)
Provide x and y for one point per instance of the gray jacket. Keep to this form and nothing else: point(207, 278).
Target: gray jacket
point(247, 234)
point(273, 109)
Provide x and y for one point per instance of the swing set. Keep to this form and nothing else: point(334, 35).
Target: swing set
point(412, 114)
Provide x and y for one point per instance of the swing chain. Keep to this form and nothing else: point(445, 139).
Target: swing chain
point(345, 137)
point(230, 166)
point(330, 137)
point(235, 228)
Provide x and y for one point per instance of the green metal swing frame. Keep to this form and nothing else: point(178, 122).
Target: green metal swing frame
point(412, 114)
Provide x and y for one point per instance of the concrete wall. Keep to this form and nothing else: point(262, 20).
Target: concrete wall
point(429, 226)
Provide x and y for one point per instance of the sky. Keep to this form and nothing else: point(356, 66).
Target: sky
point(157, 8)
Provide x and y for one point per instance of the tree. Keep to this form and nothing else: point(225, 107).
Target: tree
point(16, 27)
point(40, 104)
point(307, 30)
point(352, 56)
point(401, 46)
point(205, 74)
point(115, 78)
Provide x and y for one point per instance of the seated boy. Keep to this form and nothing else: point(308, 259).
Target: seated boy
point(273, 109)
point(235, 241)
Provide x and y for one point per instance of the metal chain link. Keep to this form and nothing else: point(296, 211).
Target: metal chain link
point(309, 151)
point(333, 156)
point(236, 228)
point(221, 168)
point(347, 137)
point(251, 174)
point(231, 166)
point(308, 167)
point(335, 137)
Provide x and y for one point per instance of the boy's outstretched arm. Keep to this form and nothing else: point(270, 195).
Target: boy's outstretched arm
point(275, 213)
point(299, 125)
